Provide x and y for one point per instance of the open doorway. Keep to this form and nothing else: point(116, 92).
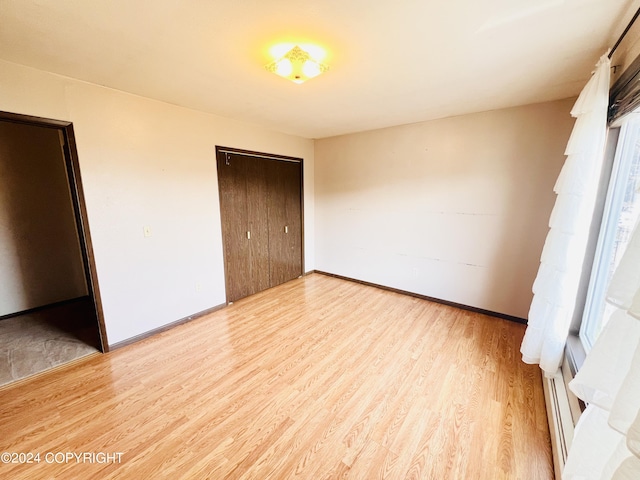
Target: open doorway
point(50, 311)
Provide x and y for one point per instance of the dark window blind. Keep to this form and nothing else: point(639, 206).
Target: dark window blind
point(624, 96)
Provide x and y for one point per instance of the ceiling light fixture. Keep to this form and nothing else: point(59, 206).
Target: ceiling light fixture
point(297, 65)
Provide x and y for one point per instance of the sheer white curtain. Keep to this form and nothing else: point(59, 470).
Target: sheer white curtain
point(606, 444)
point(556, 284)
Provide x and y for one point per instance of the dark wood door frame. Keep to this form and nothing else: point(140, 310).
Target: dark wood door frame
point(79, 207)
point(221, 150)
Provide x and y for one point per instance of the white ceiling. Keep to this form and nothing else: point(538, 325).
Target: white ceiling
point(391, 62)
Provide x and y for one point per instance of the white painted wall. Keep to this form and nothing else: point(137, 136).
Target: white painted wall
point(148, 163)
point(455, 209)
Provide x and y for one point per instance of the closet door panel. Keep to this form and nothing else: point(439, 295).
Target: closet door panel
point(233, 213)
point(257, 210)
point(285, 232)
point(293, 193)
point(277, 223)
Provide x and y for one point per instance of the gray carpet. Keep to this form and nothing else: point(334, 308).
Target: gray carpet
point(34, 342)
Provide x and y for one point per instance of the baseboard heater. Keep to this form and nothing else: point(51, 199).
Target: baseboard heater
point(563, 411)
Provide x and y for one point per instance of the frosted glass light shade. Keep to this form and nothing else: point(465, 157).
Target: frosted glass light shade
point(297, 65)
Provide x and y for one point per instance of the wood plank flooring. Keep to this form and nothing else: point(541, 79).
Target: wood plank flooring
point(319, 378)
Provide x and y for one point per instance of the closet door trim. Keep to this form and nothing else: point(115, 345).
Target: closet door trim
point(267, 156)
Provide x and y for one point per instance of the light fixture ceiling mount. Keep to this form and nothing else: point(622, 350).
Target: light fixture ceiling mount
point(297, 65)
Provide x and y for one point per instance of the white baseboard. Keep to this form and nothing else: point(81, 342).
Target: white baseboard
point(560, 418)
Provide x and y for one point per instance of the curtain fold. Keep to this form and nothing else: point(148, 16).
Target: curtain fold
point(607, 439)
point(556, 285)
point(624, 289)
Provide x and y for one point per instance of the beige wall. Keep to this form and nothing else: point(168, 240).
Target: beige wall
point(148, 163)
point(455, 209)
point(40, 259)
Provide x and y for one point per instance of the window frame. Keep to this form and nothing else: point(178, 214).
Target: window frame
point(599, 273)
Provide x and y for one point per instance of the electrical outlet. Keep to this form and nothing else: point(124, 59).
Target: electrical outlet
point(198, 287)
point(147, 231)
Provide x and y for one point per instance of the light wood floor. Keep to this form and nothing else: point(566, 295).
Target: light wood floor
point(318, 378)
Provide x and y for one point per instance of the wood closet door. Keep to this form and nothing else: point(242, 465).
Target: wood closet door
point(243, 211)
point(260, 209)
point(285, 221)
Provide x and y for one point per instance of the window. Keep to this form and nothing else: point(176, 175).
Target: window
point(621, 212)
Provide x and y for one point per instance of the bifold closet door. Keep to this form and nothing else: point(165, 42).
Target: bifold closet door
point(285, 221)
point(260, 209)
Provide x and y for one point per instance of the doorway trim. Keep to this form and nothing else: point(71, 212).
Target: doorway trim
point(72, 167)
